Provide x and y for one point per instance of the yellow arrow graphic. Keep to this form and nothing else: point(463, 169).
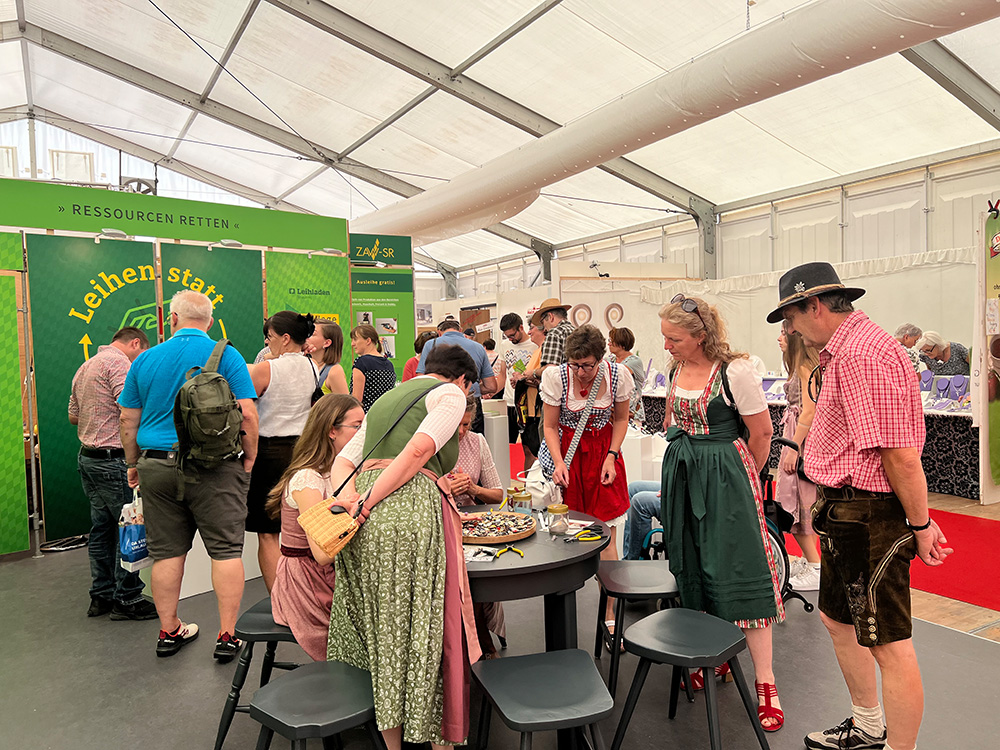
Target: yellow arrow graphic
point(86, 343)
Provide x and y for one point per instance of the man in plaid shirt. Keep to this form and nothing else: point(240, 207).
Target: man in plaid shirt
point(93, 408)
point(863, 452)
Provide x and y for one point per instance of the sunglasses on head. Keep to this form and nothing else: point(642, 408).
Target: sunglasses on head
point(688, 305)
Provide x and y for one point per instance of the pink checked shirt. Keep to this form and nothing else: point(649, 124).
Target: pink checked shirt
point(869, 399)
point(96, 388)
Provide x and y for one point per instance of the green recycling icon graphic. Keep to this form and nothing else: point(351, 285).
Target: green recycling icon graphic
point(142, 317)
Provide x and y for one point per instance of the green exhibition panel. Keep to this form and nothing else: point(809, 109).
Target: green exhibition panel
point(81, 293)
point(24, 203)
point(383, 297)
point(391, 249)
point(13, 495)
point(11, 254)
point(319, 285)
point(231, 277)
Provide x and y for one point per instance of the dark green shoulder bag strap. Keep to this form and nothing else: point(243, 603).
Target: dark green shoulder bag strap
point(744, 432)
point(216, 358)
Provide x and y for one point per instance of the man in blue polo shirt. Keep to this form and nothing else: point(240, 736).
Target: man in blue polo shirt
point(451, 335)
point(211, 500)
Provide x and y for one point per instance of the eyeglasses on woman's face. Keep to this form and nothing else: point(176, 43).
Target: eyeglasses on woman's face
point(582, 366)
point(688, 305)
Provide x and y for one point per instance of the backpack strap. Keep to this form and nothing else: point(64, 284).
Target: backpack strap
point(725, 385)
point(216, 357)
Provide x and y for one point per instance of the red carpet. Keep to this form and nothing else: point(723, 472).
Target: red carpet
point(969, 575)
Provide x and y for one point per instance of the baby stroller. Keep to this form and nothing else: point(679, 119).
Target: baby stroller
point(777, 520)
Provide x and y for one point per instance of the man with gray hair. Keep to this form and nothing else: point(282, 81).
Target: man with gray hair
point(907, 335)
point(178, 501)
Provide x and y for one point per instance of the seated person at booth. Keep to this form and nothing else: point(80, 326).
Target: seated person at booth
point(943, 357)
point(303, 589)
point(644, 497)
point(475, 481)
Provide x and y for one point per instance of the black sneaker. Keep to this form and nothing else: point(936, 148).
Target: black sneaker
point(845, 736)
point(140, 610)
point(226, 648)
point(99, 606)
point(170, 643)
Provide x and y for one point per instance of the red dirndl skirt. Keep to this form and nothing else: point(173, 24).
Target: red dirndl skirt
point(585, 493)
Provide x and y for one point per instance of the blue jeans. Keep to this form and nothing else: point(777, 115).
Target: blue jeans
point(105, 482)
point(645, 500)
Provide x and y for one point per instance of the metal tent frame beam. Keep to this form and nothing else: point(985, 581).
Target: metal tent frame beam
point(358, 34)
point(278, 136)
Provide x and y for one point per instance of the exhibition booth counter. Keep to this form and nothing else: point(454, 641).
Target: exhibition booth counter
point(951, 451)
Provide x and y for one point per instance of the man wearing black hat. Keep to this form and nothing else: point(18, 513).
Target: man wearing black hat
point(863, 453)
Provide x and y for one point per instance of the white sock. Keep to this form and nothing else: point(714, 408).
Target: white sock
point(869, 720)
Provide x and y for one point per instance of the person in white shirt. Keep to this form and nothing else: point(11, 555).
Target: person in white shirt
point(515, 357)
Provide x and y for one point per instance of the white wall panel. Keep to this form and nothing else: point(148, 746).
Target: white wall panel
point(681, 246)
point(807, 233)
point(744, 245)
point(646, 250)
point(957, 201)
point(885, 223)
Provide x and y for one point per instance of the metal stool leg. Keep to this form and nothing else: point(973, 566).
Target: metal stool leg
point(712, 705)
point(525, 740)
point(616, 645)
point(633, 697)
point(602, 605)
point(595, 734)
point(675, 690)
point(688, 690)
point(376, 736)
point(239, 679)
point(299, 745)
point(749, 701)
point(483, 734)
point(264, 738)
point(267, 665)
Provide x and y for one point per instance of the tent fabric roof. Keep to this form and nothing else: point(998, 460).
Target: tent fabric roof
point(411, 94)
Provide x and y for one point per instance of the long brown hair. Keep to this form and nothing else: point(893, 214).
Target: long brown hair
point(797, 354)
point(706, 320)
point(314, 448)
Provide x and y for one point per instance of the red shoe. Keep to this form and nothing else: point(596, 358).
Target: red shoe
point(698, 678)
point(767, 691)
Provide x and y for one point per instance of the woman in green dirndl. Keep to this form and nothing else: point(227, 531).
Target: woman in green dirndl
point(400, 596)
point(716, 537)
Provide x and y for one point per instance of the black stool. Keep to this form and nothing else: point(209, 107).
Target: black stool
point(628, 579)
point(540, 692)
point(254, 625)
point(684, 638)
point(321, 699)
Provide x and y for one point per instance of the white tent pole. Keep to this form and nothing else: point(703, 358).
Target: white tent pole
point(806, 45)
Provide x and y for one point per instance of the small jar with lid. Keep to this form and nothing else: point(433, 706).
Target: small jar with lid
point(558, 518)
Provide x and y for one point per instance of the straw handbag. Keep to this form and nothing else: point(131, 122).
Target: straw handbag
point(333, 526)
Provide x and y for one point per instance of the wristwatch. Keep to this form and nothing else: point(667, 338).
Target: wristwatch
point(132, 466)
point(616, 454)
point(919, 528)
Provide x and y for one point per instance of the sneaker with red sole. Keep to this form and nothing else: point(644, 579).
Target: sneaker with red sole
point(170, 643)
point(226, 647)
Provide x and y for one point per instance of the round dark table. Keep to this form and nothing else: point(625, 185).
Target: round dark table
point(550, 568)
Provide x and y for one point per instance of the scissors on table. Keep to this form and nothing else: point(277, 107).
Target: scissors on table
point(509, 548)
point(592, 533)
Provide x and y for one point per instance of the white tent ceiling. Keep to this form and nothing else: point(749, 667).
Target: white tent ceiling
point(398, 97)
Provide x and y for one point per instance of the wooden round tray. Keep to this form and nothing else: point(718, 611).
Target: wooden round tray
point(507, 539)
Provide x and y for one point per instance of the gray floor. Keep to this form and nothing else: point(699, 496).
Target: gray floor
point(67, 681)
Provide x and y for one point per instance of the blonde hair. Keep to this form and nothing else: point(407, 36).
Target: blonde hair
point(314, 448)
point(706, 321)
point(796, 352)
point(932, 338)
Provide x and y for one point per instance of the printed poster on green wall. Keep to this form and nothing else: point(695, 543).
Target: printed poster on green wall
point(319, 285)
point(383, 298)
point(13, 493)
point(81, 293)
point(231, 278)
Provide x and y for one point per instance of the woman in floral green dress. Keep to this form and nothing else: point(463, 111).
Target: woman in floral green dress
point(399, 604)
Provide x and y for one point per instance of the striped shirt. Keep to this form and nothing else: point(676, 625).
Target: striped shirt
point(869, 399)
point(93, 399)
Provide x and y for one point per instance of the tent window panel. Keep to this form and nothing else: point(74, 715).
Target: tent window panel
point(72, 166)
point(8, 161)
